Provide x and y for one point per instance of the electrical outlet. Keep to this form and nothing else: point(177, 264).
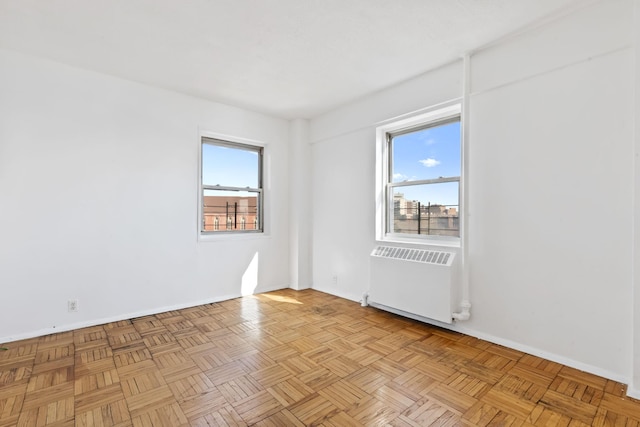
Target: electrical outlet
point(72, 305)
point(335, 279)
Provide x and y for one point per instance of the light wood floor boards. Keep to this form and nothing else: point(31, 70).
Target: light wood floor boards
point(291, 358)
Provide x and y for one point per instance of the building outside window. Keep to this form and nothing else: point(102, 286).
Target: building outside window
point(231, 185)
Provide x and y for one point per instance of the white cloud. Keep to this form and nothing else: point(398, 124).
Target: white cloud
point(430, 162)
point(400, 177)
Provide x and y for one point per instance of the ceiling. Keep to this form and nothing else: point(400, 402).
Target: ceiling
point(286, 58)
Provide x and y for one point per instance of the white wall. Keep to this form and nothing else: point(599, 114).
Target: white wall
point(343, 184)
point(550, 188)
point(634, 387)
point(98, 199)
point(300, 215)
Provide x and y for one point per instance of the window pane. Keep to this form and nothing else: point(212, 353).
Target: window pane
point(429, 209)
point(429, 153)
point(230, 210)
point(229, 167)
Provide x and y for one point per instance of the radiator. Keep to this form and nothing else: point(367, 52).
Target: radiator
point(415, 282)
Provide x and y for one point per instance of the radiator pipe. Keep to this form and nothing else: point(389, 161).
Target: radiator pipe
point(464, 313)
point(365, 299)
point(465, 304)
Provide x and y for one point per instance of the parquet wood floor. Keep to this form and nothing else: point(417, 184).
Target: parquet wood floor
point(290, 358)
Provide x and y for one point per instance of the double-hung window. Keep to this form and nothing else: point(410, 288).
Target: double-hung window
point(421, 176)
point(231, 185)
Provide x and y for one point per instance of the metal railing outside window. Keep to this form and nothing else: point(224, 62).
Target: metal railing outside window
point(427, 219)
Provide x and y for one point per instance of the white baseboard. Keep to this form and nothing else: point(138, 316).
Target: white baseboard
point(633, 392)
point(546, 355)
point(459, 327)
point(337, 293)
point(131, 315)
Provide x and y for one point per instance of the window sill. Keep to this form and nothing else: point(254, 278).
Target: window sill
point(420, 242)
point(228, 237)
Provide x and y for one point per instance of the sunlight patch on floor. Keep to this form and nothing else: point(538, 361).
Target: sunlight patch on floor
point(280, 298)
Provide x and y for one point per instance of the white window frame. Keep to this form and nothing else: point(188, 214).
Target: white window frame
point(433, 117)
point(233, 142)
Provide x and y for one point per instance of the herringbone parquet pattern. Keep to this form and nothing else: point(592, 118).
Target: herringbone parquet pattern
point(291, 358)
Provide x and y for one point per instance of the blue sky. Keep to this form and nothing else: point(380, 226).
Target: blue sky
point(229, 167)
point(427, 154)
point(430, 153)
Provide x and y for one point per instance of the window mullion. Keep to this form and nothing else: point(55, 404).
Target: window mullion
point(426, 181)
point(223, 188)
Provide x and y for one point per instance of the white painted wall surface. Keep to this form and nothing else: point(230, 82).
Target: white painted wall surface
point(342, 190)
point(424, 91)
point(551, 169)
point(634, 386)
point(343, 183)
point(550, 135)
point(300, 215)
point(98, 200)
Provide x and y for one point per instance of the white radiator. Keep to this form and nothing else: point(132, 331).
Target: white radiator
point(417, 282)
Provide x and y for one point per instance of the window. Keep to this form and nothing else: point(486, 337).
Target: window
point(232, 197)
point(421, 176)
